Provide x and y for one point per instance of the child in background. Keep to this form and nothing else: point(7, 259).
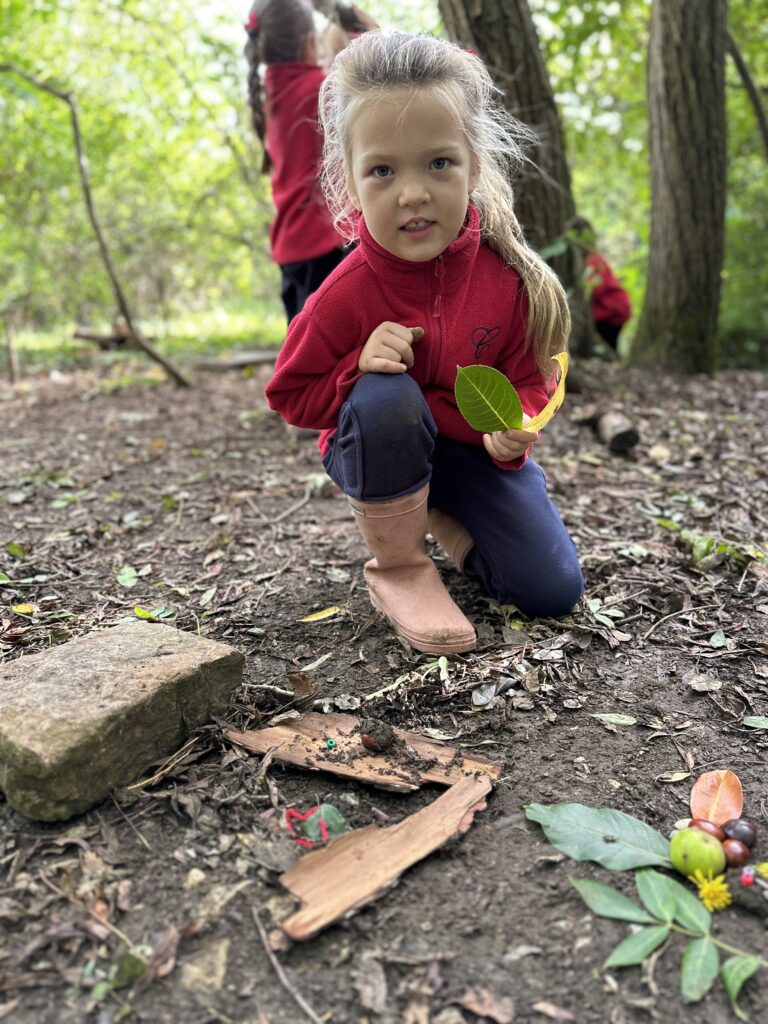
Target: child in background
point(609, 302)
point(417, 160)
point(304, 242)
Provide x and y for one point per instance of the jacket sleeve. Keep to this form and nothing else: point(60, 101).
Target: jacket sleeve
point(314, 373)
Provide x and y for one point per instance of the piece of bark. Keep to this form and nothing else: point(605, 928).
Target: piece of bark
point(362, 865)
point(411, 761)
point(617, 431)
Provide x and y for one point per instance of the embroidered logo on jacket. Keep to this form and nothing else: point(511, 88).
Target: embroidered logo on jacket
point(482, 338)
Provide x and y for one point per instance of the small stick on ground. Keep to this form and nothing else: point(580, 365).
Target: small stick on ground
point(281, 975)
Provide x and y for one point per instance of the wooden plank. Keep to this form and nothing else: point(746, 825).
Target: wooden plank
point(412, 760)
point(362, 865)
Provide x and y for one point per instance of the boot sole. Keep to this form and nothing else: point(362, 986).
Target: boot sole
point(459, 645)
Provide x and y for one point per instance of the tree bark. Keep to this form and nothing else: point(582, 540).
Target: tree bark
point(686, 110)
point(85, 181)
point(12, 359)
point(503, 33)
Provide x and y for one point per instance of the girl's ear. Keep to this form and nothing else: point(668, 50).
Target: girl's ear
point(474, 174)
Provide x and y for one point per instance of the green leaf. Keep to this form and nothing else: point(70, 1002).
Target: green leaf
point(611, 719)
point(699, 968)
point(15, 550)
point(334, 821)
point(609, 837)
point(127, 577)
point(609, 902)
point(487, 400)
point(635, 948)
point(657, 893)
point(734, 972)
point(690, 912)
point(753, 721)
point(4, 578)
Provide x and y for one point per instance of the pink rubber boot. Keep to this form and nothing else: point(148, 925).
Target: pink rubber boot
point(451, 535)
point(403, 582)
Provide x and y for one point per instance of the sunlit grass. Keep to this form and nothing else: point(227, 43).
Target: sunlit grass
point(212, 332)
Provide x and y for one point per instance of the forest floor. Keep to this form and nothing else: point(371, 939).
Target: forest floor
point(234, 533)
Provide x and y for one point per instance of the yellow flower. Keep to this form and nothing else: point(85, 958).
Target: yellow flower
point(762, 869)
point(713, 892)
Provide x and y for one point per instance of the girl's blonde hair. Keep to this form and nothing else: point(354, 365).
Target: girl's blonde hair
point(277, 31)
point(379, 61)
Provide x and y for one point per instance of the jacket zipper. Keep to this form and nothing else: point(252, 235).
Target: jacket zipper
point(439, 274)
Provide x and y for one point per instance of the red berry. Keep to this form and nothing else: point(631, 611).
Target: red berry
point(741, 829)
point(747, 876)
point(736, 853)
point(708, 826)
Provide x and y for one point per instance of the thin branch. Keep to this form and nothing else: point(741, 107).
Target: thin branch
point(82, 166)
point(749, 84)
point(281, 975)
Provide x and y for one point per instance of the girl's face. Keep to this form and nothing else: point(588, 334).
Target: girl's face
point(412, 173)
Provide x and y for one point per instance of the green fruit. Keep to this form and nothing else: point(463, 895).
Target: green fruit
point(692, 850)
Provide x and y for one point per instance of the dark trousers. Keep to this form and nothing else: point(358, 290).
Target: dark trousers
point(609, 333)
point(387, 445)
point(299, 280)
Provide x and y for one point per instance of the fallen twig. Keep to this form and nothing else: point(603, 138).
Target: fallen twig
point(281, 975)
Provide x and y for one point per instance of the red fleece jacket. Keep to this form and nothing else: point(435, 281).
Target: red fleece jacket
point(302, 228)
point(609, 301)
point(473, 309)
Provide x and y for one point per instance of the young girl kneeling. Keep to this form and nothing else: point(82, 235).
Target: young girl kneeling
point(417, 160)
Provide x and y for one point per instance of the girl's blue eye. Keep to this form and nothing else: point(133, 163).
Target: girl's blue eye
point(380, 171)
point(440, 163)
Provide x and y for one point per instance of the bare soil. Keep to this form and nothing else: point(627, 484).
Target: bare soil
point(234, 532)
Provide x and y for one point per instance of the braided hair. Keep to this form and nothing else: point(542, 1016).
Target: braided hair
point(277, 31)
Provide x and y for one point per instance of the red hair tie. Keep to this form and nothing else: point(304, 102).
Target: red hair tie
point(252, 25)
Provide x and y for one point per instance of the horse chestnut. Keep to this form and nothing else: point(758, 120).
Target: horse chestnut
point(376, 735)
point(709, 827)
point(741, 829)
point(736, 853)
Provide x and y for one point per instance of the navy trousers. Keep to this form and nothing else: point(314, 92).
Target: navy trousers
point(387, 445)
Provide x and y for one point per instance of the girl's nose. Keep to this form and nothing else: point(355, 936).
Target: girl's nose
point(413, 193)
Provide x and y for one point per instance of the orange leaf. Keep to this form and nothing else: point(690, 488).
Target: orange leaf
point(717, 796)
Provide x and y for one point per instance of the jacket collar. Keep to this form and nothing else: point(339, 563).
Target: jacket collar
point(457, 259)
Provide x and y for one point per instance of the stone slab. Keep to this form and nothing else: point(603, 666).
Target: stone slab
point(94, 713)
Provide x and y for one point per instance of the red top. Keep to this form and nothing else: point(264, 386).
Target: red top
point(610, 303)
point(473, 309)
point(302, 228)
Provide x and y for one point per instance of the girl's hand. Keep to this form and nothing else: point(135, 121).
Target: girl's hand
point(389, 349)
point(507, 445)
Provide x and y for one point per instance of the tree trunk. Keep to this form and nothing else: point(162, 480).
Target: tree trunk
point(686, 110)
point(503, 33)
point(11, 358)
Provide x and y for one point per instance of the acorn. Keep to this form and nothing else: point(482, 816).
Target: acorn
point(736, 853)
point(741, 829)
point(376, 736)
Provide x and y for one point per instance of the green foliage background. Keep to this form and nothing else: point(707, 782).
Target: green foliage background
point(160, 87)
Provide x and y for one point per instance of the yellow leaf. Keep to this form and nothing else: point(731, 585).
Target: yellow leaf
point(326, 613)
point(24, 609)
point(555, 401)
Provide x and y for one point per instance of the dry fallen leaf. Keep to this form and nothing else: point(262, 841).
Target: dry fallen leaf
point(485, 1004)
point(552, 1011)
point(717, 796)
point(326, 613)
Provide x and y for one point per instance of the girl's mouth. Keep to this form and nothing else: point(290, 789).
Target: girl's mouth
point(417, 226)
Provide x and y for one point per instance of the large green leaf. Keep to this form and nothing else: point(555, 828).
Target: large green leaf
point(734, 972)
point(609, 837)
point(635, 948)
point(609, 902)
point(699, 968)
point(657, 893)
point(487, 400)
point(690, 912)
